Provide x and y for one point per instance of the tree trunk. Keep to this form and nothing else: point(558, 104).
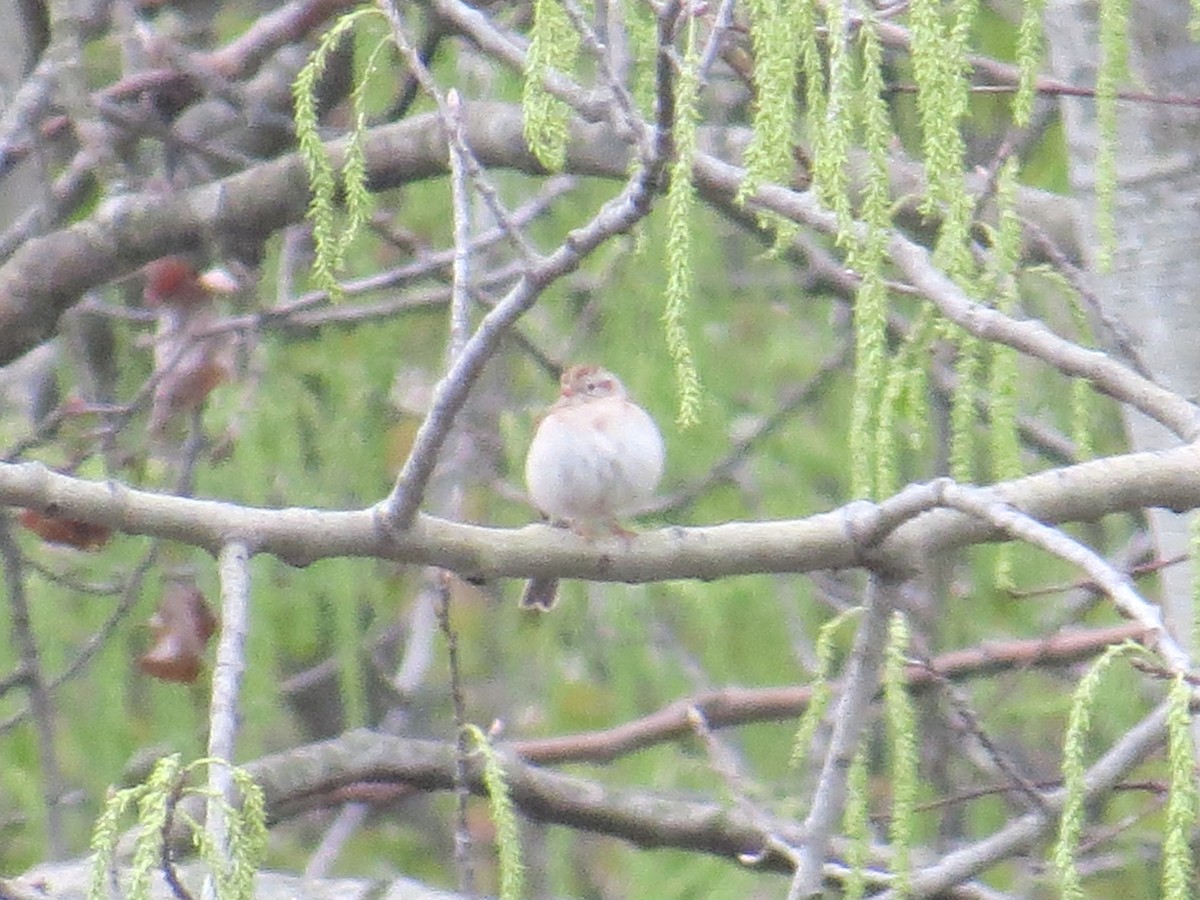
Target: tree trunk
point(1151, 290)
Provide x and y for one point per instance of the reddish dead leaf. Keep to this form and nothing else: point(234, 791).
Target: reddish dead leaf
point(65, 532)
point(182, 626)
point(190, 360)
point(174, 281)
point(185, 386)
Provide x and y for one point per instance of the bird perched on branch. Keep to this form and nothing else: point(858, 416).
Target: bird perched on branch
point(596, 456)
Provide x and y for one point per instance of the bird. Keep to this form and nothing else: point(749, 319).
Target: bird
point(595, 457)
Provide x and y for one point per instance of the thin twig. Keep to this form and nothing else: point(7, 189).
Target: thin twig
point(956, 866)
point(98, 640)
point(460, 297)
point(850, 718)
point(467, 160)
point(730, 707)
point(462, 783)
point(962, 708)
point(722, 761)
point(167, 858)
point(626, 117)
point(986, 505)
point(39, 697)
point(720, 26)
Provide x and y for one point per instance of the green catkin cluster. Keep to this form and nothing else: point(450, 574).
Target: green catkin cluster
point(856, 822)
point(870, 305)
point(642, 30)
point(1177, 869)
point(332, 239)
point(247, 830)
point(1029, 59)
point(905, 400)
point(834, 131)
point(962, 407)
point(681, 200)
point(504, 816)
point(941, 70)
point(553, 45)
point(902, 741)
point(821, 693)
point(152, 807)
point(776, 40)
point(1002, 382)
point(1079, 722)
point(1082, 397)
point(804, 15)
point(233, 869)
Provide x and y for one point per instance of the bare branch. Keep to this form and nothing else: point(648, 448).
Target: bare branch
point(958, 865)
point(234, 567)
point(849, 720)
point(843, 538)
point(33, 676)
point(1028, 336)
point(732, 706)
point(986, 505)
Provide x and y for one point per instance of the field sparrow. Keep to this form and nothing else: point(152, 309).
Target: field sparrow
point(596, 456)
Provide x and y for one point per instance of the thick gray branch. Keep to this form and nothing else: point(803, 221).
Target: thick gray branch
point(1078, 493)
point(49, 274)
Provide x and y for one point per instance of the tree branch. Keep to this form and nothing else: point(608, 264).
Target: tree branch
point(227, 679)
point(843, 538)
point(849, 720)
point(731, 706)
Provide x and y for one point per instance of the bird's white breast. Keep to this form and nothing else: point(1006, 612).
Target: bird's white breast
point(594, 461)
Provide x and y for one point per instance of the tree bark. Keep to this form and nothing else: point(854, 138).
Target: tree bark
point(1150, 291)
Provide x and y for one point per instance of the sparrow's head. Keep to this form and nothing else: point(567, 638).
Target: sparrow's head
point(590, 382)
